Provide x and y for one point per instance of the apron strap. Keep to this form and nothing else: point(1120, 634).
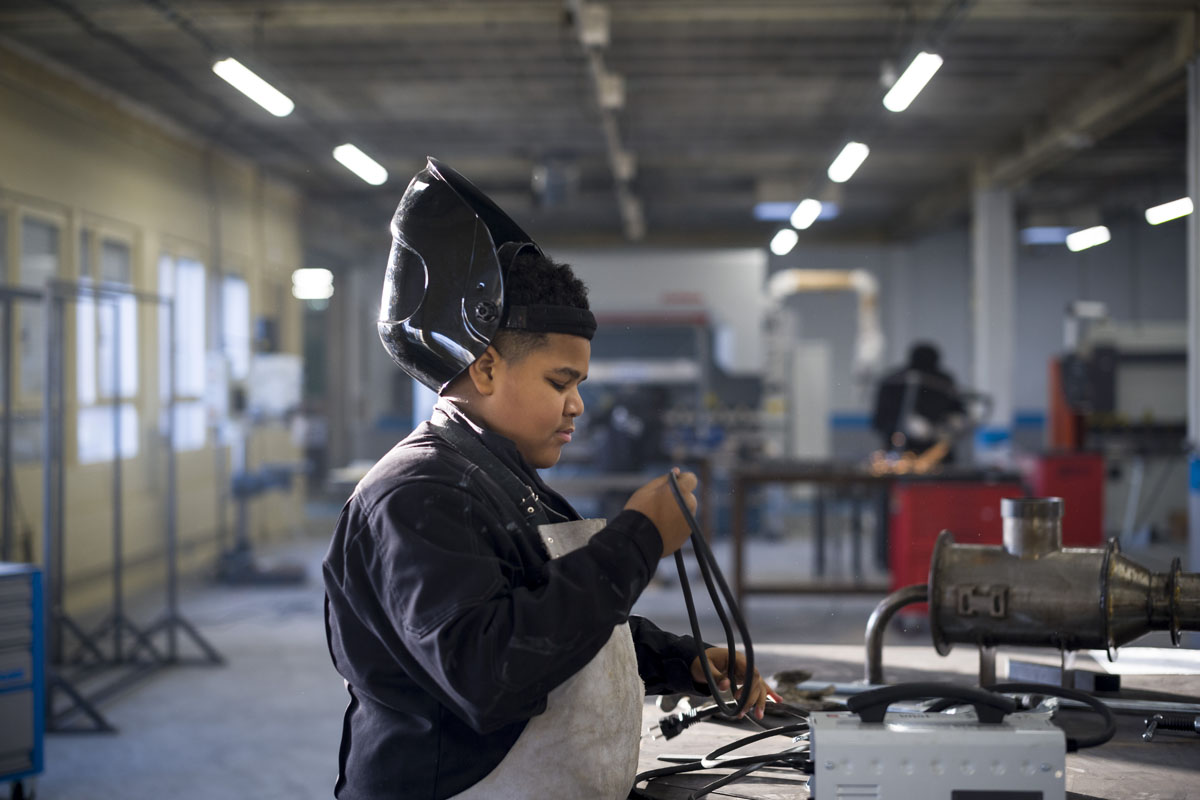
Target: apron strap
point(468, 445)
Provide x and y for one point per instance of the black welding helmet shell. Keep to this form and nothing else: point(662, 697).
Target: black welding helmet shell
point(443, 295)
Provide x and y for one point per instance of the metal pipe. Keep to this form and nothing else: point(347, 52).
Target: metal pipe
point(6, 353)
point(1032, 525)
point(172, 532)
point(1032, 592)
point(117, 511)
point(57, 328)
point(877, 625)
point(53, 636)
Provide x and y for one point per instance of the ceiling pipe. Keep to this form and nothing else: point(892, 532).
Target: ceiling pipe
point(591, 21)
point(868, 346)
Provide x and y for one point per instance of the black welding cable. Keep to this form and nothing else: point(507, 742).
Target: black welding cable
point(711, 572)
point(709, 788)
point(795, 757)
point(713, 759)
point(1073, 743)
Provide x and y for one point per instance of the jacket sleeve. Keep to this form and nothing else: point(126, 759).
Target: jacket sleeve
point(485, 643)
point(664, 659)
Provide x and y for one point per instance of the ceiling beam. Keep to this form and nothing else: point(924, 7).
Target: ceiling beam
point(1111, 100)
point(1139, 85)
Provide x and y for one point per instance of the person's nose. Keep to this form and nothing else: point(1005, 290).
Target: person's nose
point(574, 406)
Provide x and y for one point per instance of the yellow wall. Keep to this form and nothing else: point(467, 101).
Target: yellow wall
point(80, 160)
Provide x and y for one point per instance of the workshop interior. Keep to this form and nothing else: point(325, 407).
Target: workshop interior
point(911, 286)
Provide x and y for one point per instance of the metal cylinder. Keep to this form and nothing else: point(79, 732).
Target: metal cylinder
point(1032, 592)
point(1032, 525)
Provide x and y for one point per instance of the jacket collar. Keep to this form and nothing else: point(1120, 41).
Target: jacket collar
point(506, 450)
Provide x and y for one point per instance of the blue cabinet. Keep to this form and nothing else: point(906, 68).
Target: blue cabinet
point(22, 673)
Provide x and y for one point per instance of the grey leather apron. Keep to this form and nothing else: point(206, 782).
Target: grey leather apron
point(585, 744)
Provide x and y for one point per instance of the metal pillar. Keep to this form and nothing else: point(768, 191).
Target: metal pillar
point(117, 510)
point(6, 351)
point(993, 260)
point(1193, 300)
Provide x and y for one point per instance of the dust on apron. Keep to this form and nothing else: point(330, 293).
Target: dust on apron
point(585, 744)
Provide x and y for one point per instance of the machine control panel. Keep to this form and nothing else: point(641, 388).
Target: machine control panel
point(937, 757)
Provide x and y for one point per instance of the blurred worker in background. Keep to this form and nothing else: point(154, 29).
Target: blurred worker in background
point(919, 410)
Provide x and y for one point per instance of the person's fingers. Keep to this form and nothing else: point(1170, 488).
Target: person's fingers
point(755, 704)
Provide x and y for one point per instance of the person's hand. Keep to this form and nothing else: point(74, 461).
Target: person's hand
point(657, 502)
point(718, 659)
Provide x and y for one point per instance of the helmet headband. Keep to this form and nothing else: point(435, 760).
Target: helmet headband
point(551, 319)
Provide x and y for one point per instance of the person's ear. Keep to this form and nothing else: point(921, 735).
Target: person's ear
point(483, 372)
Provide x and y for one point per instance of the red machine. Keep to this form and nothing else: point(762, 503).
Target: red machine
point(1078, 478)
point(921, 510)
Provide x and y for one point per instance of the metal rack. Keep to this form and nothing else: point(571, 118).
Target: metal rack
point(117, 642)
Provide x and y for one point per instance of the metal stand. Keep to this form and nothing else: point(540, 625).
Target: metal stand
point(142, 657)
point(9, 297)
point(987, 665)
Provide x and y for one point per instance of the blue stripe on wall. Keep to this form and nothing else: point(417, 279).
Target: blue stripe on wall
point(1028, 419)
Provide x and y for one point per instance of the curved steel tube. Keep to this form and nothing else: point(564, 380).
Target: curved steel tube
point(877, 624)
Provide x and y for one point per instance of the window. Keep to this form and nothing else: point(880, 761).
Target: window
point(105, 352)
point(235, 305)
point(39, 262)
point(116, 267)
point(184, 280)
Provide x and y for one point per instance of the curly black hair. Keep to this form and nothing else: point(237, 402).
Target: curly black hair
point(533, 278)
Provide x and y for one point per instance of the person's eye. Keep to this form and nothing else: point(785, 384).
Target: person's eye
point(558, 386)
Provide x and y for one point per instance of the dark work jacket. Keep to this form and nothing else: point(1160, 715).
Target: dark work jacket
point(936, 398)
point(450, 623)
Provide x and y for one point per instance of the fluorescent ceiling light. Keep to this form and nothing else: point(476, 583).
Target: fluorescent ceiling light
point(784, 241)
point(312, 284)
point(254, 87)
point(1169, 211)
point(910, 84)
point(848, 161)
point(360, 164)
point(806, 214)
point(1088, 237)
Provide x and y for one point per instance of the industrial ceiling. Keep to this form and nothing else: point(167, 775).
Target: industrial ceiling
point(664, 119)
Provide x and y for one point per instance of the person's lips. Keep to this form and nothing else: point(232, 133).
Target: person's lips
point(564, 435)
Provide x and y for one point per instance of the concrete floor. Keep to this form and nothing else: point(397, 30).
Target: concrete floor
point(267, 723)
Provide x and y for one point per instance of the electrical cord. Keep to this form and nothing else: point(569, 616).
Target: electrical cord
point(674, 724)
point(794, 757)
point(714, 580)
point(1096, 739)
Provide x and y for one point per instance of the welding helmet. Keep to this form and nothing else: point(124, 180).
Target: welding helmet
point(443, 294)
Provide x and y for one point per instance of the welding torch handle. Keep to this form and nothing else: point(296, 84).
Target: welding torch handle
point(1171, 721)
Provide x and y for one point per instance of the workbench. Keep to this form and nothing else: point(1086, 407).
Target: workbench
point(1167, 768)
point(850, 477)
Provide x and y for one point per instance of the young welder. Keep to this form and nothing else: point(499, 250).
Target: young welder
point(482, 627)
